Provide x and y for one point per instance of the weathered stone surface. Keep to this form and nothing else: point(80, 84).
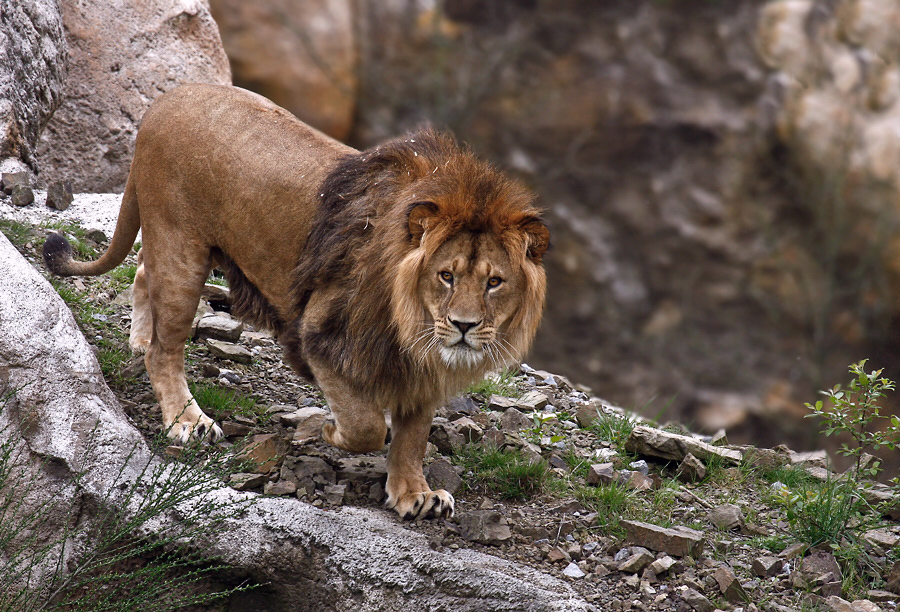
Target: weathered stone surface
point(601, 473)
point(245, 482)
point(445, 437)
point(8, 180)
point(220, 326)
point(468, 429)
point(697, 600)
point(280, 487)
point(729, 585)
point(302, 55)
point(32, 77)
point(458, 407)
point(22, 195)
point(513, 420)
point(334, 494)
point(500, 403)
point(441, 474)
point(484, 527)
point(818, 572)
point(653, 442)
point(229, 351)
point(690, 469)
point(573, 571)
point(766, 567)
point(679, 542)
point(637, 561)
point(264, 451)
point(727, 517)
point(362, 469)
point(59, 194)
point(836, 604)
point(308, 423)
point(531, 401)
point(662, 565)
point(110, 85)
point(306, 558)
point(893, 579)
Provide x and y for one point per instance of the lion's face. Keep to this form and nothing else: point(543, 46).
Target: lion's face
point(470, 290)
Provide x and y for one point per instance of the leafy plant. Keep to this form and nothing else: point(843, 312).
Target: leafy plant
point(611, 502)
point(502, 383)
point(612, 427)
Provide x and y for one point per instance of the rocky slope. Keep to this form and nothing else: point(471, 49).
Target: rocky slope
point(546, 475)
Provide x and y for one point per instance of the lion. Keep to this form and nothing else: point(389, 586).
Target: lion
point(392, 277)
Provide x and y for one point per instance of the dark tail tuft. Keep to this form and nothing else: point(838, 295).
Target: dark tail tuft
point(57, 253)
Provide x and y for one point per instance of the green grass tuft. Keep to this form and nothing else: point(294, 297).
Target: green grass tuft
point(506, 473)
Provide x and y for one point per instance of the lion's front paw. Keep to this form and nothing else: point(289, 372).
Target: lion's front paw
point(205, 429)
point(426, 505)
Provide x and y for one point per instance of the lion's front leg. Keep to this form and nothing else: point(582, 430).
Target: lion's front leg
point(408, 493)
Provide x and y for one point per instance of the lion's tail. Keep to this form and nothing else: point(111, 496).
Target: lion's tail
point(58, 251)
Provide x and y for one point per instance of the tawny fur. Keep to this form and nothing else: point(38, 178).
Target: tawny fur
point(345, 255)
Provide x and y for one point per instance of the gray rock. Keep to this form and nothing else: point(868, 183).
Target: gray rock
point(573, 571)
point(334, 494)
point(513, 420)
point(59, 194)
point(362, 470)
point(226, 350)
point(445, 437)
point(819, 573)
point(468, 429)
point(484, 527)
point(677, 541)
point(727, 517)
point(32, 75)
point(690, 469)
point(637, 561)
point(22, 195)
point(697, 600)
point(766, 567)
point(280, 487)
point(220, 326)
point(307, 472)
point(245, 482)
point(531, 401)
point(459, 407)
point(9, 180)
point(729, 585)
point(500, 403)
point(441, 475)
point(662, 565)
point(652, 442)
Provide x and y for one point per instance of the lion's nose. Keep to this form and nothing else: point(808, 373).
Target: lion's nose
point(464, 326)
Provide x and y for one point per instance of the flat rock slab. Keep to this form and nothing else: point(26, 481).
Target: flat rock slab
point(651, 442)
point(679, 542)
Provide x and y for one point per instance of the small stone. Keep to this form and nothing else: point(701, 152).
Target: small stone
point(651, 442)
point(586, 415)
point(662, 565)
point(766, 567)
point(500, 403)
point(729, 585)
point(306, 472)
point(882, 538)
point(468, 429)
point(690, 469)
point(459, 407)
point(637, 561)
point(727, 517)
point(226, 350)
point(513, 420)
point(232, 429)
point(573, 571)
point(308, 423)
point(797, 549)
point(376, 492)
point(640, 466)
point(59, 194)
point(362, 470)
point(531, 401)
point(484, 527)
point(216, 293)
point(601, 474)
point(220, 326)
point(441, 475)
point(677, 541)
point(263, 451)
point(638, 481)
point(96, 235)
point(557, 554)
point(892, 582)
point(245, 482)
point(879, 596)
point(696, 600)
point(445, 437)
point(280, 487)
point(334, 494)
point(22, 195)
point(8, 180)
point(819, 573)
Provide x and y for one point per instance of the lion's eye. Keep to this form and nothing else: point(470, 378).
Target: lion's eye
point(447, 277)
point(494, 282)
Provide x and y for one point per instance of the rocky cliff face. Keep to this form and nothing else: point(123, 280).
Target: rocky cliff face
point(122, 56)
point(721, 179)
point(32, 73)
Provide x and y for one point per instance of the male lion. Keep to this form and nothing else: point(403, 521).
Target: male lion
point(392, 277)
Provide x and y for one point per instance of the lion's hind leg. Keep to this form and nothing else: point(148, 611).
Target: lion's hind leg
point(174, 283)
point(357, 424)
point(408, 492)
point(141, 316)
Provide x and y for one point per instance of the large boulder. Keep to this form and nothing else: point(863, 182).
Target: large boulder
point(122, 56)
point(32, 74)
point(65, 421)
point(301, 54)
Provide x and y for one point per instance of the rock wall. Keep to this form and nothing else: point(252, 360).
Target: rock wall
point(32, 74)
point(122, 56)
point(720, 177)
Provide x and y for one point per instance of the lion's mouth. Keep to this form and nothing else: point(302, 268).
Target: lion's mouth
point(461, 354)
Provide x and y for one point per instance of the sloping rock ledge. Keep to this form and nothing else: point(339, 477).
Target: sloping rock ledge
point(307, 559)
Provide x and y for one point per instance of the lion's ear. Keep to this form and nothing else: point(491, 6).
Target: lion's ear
point(420, 215)
point(537, 236)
